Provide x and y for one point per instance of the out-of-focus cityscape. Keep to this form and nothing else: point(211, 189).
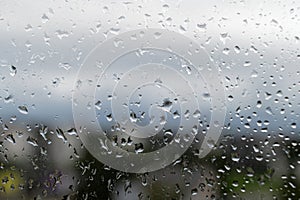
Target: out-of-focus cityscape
point(254, 45)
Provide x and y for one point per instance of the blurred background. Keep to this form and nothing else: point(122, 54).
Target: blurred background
point(255, 46)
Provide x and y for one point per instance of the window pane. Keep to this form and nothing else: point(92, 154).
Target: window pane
point(149, 99)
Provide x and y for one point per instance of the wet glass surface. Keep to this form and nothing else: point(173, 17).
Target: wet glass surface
point(149, 99)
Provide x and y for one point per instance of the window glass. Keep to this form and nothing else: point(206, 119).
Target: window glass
point(149, 99)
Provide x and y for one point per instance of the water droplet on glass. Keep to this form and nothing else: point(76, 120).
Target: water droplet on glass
point(28, 27)
point(201, 27)
point(23, 109)
point(72, 131)
point(45, 18)
point(98, 105)
point(13, 70)
point(32, 141)
point(139, 148)
point(65, 66)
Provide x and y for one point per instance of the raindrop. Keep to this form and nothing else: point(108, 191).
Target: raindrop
point(235, 183)
point(230, 98)
point(224, 37)
point(45, 18)
point(133, 117)
point(109, 117)
point(28, 27)
point(235, 157)
point(65, 66)
point(247, 63)
point(194, 191)
point(13, 70)
point(167, 105)
point(269, 110)
point(294, 125)
point(197, 114)
point(10, 138)
point(258, 104)
point(157, 35)
point(23, 109)
point(182, 29)
point(32, 141)
point(72, 131)
point(8, 99)
point(60, 134)
point(62, 34)
point(206, 95)
point(226, 51)
point(201, 27)
point(98, 105)
point(237, 49)
point(139, 148)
